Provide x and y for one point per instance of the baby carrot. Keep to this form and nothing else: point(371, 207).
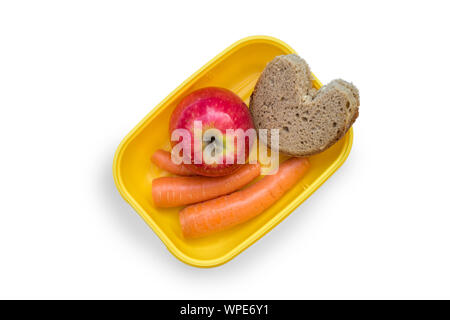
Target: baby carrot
point(177, 191)
point(163, 160)
point(227, 211)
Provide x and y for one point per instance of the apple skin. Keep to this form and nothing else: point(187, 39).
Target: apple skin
point(217, 108)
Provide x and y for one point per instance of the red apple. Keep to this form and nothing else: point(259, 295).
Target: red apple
point(217, 110)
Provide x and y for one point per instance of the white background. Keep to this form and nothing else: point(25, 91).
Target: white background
point(77, 76)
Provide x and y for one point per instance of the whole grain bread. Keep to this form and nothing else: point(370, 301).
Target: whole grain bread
point(309, 120)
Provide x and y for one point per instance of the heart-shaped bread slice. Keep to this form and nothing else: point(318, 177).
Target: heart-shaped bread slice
point(309, 120)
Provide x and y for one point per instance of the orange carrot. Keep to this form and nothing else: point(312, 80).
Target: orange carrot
point(163, 160)
point(177, 191)
point(225, 212)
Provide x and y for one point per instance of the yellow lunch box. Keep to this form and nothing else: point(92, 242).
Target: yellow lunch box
point(236, 68)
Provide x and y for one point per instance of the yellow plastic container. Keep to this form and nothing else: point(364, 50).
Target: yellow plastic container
point(236, 68)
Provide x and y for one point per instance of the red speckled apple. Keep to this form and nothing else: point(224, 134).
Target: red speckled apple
point(217, 110)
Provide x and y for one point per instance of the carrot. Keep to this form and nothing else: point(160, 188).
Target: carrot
point(177, 191)
point(163, 160)
point(225, 212)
